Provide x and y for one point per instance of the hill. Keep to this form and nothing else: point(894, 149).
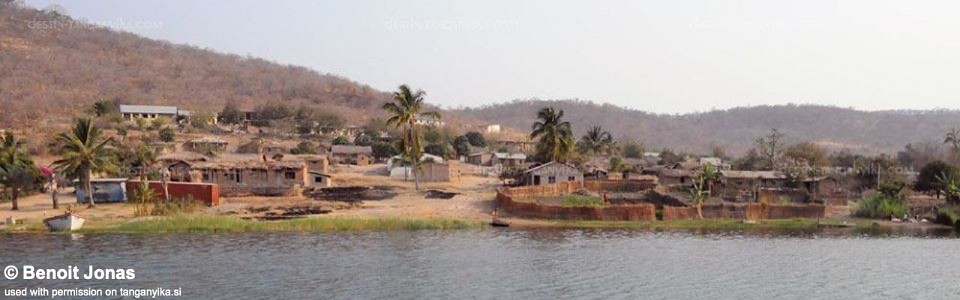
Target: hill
point(736, 129)
point(53, 67)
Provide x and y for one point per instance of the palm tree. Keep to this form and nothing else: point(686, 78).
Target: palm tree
point(404, 111)
point(555, 135)
point(596, 141)
point(16, 167)
point(953, 138)
point(84, 151)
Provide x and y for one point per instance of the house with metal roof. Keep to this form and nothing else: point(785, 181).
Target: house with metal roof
point(550, 173)
point(150, 112)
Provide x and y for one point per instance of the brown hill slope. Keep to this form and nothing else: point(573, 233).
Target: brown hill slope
point(51, 69)
point(736, 129)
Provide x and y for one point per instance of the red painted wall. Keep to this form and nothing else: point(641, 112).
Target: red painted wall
point(208, 193)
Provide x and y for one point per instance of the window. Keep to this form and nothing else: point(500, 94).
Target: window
point(233, 175)
point(318, 179)
point(536, 180)
point(552, 179)
point(206, 177)
point(290, 175)
point(572, 178)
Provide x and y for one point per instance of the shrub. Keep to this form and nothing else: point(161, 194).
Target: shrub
point(176, 206)
point(947, 215)
point(880, 207)
point(167, 134)
point(577, 201)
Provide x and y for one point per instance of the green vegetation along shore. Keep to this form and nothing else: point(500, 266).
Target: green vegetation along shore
point(232, 224)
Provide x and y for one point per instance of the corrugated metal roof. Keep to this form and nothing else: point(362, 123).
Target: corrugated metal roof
point(148, 109)
point(754, 174)
point(504, 155)
point(347, 149)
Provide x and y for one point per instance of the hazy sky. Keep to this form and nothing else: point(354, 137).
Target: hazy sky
point(660, 56)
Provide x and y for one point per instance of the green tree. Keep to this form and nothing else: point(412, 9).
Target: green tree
point(304, 147)
point(384, 150)
point(341, 140)
point(554, 136)
point(929, 178)
point(141, 123)
point(807, 153)
point(476, 139)
point(462, 145)
point(596, 141)
point(104, 107)
point(701, 187)
point(167, 134)
point(437, 149)
point(83, 151)
point(16, 167)
point(230, 114)
point(403, 111)
point(632, 150)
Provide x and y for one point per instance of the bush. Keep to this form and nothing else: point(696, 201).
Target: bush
point(167, 134)
point(176, 206)
point(880, 207)
point(578, 201)
point(948, 215)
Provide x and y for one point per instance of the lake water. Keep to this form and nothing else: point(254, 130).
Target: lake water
point(508, 264)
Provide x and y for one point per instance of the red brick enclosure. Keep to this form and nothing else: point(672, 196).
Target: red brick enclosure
point(208, 193)
point(752, 211)
point(619, 185)
point(506, 200)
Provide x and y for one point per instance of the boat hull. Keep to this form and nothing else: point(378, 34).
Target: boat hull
point(64, 223)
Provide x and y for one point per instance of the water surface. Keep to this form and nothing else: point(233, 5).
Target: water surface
point(510, 264)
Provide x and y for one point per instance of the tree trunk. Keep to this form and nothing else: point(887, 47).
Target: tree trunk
point(53, 195)
point(89, 187)
point(13, 196)
point(700, 210)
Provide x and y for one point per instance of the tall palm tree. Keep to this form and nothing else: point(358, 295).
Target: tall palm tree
point(16, 167)
point(404, 111)
point(555, 135)
point(596, 141)
point(83, 151)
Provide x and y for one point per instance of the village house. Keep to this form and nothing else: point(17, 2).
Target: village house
point(754, 185)
point(439, 171)
point(206, 144)
point(150, 112)
point(676, 177)
point(480, 158)
point(259, 177)
point(260, 146)
point(490, 128)
point(354, 155)
point(426, 120)
point(519, 146)
point(320, 179)
point(397, 168)
point(178, 164)
point(505, 159)
point(551, 172)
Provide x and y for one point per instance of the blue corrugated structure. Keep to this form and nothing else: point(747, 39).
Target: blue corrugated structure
point(105, 190)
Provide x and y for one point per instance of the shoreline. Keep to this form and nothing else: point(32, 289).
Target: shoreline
point(200, 223)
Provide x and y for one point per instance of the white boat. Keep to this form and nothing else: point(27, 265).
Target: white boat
point(64, 222)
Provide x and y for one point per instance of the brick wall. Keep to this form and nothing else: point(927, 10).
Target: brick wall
point(505, 199)
point(619, 185)
point(751, 211)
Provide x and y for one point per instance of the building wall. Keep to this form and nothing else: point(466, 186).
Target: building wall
point(351, 159)
point(445, 172)
point(258, 182)
point(480, 160)
point(560, 173)
point(508, 205)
